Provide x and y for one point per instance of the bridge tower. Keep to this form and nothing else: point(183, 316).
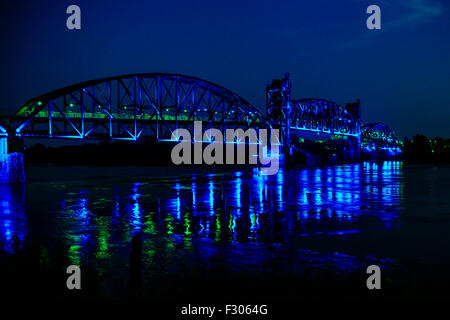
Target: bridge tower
point(279, 108)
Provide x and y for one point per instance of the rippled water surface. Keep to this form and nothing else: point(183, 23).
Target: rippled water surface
point(337, 218)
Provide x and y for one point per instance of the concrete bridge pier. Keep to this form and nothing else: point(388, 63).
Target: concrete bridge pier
point(11, 164)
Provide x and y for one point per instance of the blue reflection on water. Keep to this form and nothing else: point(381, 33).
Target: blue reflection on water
point(194, 197)
point(211, 196)
point(245, 210)
point(136, 210)
point(238, 190)
point(177, 201)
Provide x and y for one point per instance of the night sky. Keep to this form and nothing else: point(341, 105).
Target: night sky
point(401, 73)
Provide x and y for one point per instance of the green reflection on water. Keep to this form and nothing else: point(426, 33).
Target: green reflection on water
point(187, 224)
point(103, 238)
point(149, 224)
point(217, 237)
point(74, 254)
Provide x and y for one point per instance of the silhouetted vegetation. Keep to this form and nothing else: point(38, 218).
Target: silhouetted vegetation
point(329, 151)
point(103, 153)
point(421, 149)
point(119, 153)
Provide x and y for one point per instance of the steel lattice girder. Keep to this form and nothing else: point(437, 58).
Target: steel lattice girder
point(153, 105)
point(136, 106)
point(324, 116)
point(378, 135)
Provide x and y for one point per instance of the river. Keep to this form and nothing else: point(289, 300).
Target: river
point(209, 233)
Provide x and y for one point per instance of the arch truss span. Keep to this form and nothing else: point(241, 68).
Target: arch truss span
point(326, 117)
point(134, 107)
point(378, 136)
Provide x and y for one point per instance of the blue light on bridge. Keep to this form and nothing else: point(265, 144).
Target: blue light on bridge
point(326, 131)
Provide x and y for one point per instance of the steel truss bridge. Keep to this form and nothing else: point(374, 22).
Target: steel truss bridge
point(375, 136)
point(324, 116)
point(154, 105)
point(311, 115)
point(133, 107)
